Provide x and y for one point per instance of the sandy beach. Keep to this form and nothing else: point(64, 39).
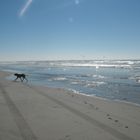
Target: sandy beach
point(41, 113)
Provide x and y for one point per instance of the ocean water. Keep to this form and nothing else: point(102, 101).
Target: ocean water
point(111, 79)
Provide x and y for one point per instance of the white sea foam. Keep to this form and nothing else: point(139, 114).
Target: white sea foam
point(80, 63)
point(96, 65)
point(136, 78)
point(101, 98)
point(98, 76)
point(94, 84)
point(74, 91)
point(59, 78)
point(74, 83)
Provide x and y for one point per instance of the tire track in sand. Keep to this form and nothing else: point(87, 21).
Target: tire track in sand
point(82, 115)
point(24, 128)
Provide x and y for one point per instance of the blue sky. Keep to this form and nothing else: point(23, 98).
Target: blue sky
point(69, 29)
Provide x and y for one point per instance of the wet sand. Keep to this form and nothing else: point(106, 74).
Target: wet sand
point(41, 113)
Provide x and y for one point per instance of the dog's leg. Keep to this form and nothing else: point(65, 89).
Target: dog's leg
point(26, 79)
point(16, 79)
point(21, 79)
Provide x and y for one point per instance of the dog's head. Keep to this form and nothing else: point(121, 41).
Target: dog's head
point(16, 74)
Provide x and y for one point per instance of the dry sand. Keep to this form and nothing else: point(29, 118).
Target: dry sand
point(40, 113)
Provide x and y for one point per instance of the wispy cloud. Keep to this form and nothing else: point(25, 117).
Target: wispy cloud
point(25, 7)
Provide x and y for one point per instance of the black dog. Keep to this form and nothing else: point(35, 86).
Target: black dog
point(22, 77)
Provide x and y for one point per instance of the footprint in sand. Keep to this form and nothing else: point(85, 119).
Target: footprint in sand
point(108, 115)
point(109, 118)
point(67, 137)
point(126, 126)
point(96, 108)
point(116, 121)
point(85, 102)
point(92, 106)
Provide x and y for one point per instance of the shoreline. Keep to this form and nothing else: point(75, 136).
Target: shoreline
point(57, 114)
point(122, 84)
point(84, 94)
